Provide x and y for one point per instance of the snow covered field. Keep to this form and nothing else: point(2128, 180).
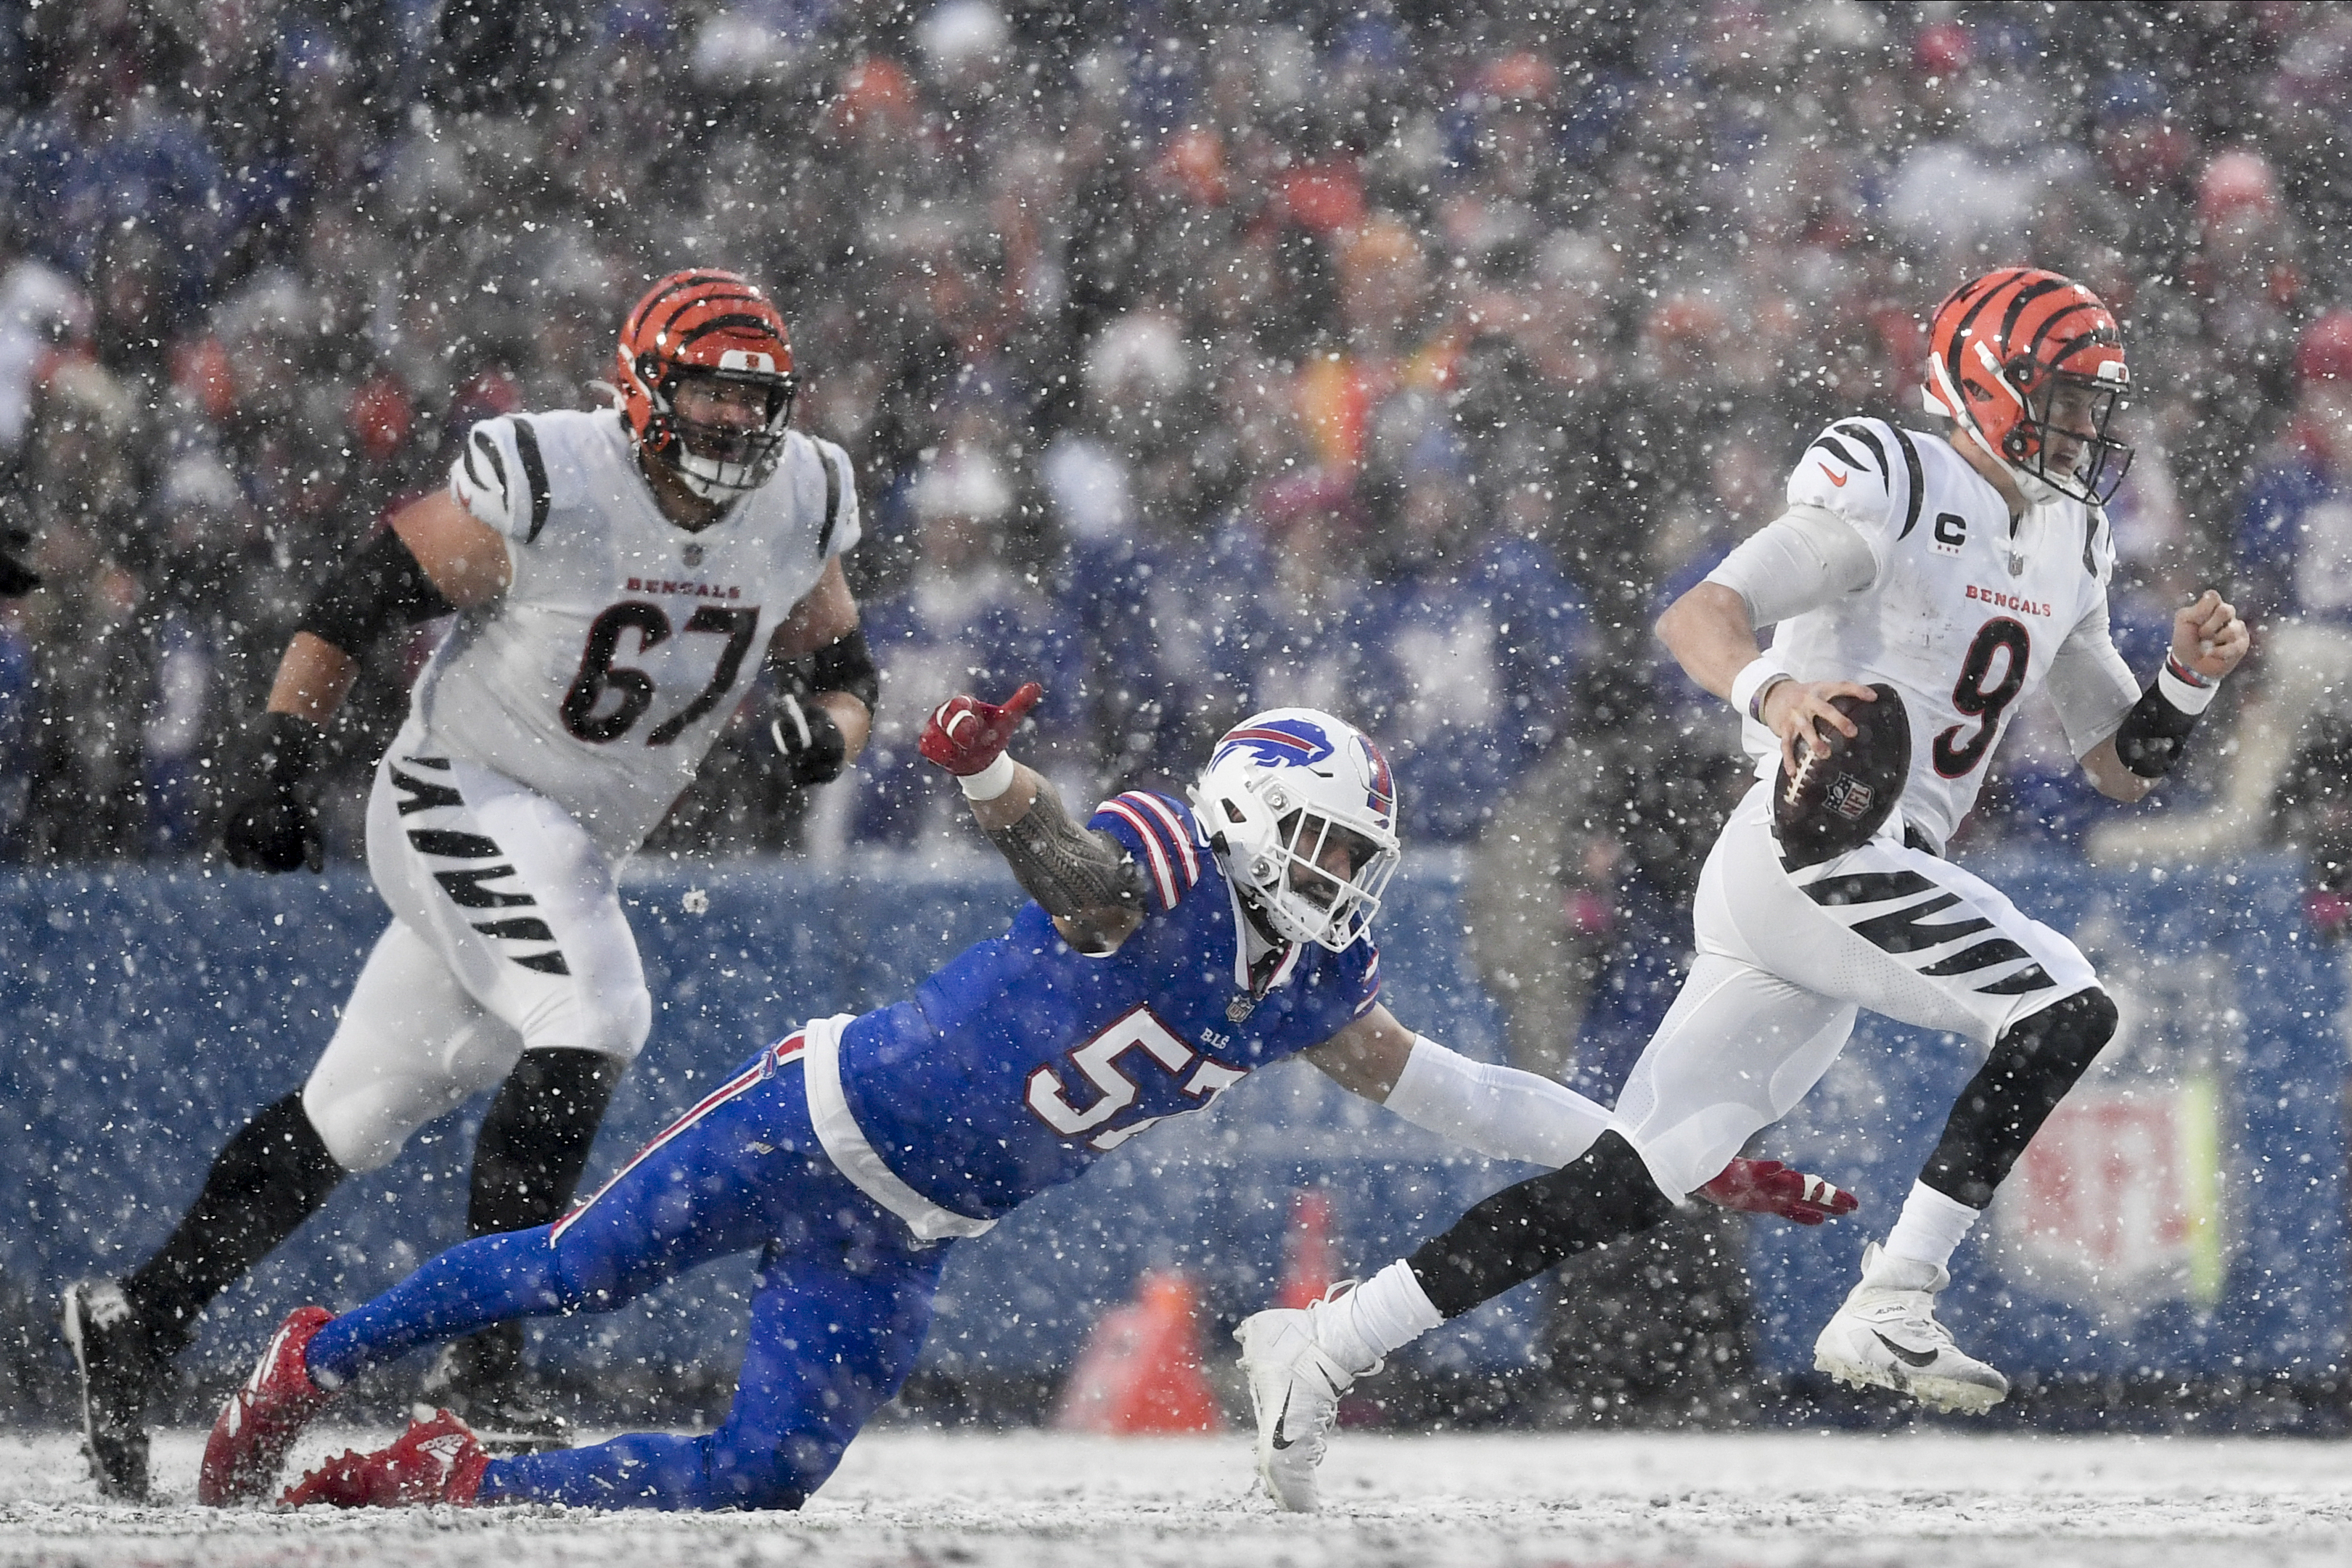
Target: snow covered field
point(1034, 1501)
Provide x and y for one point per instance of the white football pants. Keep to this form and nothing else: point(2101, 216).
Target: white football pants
point(1784, 963)
point(507, 936)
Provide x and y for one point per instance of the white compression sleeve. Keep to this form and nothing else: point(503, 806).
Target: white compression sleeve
point(1802, 559)
point(1500, 1111)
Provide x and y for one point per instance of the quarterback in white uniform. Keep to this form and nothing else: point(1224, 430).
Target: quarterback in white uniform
point(619, 579)
point(1962, 572)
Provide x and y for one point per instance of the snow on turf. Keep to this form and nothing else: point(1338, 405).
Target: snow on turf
point(1928, 1500)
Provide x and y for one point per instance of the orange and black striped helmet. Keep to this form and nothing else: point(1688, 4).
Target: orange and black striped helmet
point(707, 323)
point(2031, 364)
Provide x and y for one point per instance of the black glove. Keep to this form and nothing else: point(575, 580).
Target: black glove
point(17, 579)
point(814, 750)
point(276, 827)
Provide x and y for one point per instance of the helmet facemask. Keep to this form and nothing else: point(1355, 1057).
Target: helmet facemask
point(2064, 408)
point(716, 461)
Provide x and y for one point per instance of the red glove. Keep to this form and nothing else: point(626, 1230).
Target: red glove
point(1768, 1187)
point(966, 735)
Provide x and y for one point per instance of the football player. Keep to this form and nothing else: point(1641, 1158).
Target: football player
point(1168, 951)
point(618, 578)
point(1963, 571)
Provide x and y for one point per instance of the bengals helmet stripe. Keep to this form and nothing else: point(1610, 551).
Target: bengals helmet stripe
point(2002, 348)
point(716, 325)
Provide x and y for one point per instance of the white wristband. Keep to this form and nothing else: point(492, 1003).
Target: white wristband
point(1500, 1111)
point(1753, 677)
point(2181, 694)
point(990, 781)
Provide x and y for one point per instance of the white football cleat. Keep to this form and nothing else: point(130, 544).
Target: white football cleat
point(1887, 1336)
point(1294, 1387)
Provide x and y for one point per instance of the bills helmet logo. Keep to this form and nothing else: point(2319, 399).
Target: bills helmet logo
point(1278, 743)
point(1293, 742)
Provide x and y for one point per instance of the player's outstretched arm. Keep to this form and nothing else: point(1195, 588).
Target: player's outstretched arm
point(1085, 880)
point(1509, 1114)
point(434, 558)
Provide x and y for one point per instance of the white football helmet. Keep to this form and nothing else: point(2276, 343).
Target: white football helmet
point(1283, 790)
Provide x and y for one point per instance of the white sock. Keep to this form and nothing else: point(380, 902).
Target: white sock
point(1386, 1312)
point(1930, 1228)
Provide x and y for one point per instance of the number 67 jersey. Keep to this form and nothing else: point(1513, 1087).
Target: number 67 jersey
point(1962, 615)
point(624, 642)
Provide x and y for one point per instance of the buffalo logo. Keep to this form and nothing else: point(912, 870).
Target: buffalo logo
point(1278, 743)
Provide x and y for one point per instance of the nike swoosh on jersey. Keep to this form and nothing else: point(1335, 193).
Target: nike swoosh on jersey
point(1910, 1358)
point(1835, 478)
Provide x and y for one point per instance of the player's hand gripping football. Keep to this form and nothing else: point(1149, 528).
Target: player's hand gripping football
point(276, 827)
point(1796, 710)
point(966, 735)
point(1768, 1187)
point(2208, 637)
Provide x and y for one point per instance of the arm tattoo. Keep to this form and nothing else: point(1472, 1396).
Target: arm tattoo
point(1073, 872)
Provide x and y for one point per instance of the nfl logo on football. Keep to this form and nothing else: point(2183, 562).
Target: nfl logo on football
point(1849, 797)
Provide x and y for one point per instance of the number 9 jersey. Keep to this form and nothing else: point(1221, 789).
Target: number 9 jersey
point(623, 641)
point(1963, 615)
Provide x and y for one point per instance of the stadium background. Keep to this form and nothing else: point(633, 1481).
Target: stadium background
point(1192, 355)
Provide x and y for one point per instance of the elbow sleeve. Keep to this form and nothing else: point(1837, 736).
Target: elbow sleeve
point(1800, 561)
point(380, 587)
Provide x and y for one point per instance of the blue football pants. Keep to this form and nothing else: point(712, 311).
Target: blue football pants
point(841, 1304)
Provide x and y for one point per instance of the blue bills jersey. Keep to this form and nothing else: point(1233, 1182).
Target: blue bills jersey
point(1022, 1061)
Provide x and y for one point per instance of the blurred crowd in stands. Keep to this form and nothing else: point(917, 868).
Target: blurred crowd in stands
point(1196, 355)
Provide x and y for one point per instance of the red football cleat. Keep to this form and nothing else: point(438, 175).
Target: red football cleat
point(433, 1461)
point(262, 1418)
point(1768, 1187)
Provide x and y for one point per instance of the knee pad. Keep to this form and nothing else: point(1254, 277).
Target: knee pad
point(613, 1018)
point(2032, 1065)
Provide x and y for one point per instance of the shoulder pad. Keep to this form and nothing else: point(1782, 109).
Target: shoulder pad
point(1864, 470)
point(841, 526)
point(1163, 830)
point(501, 478)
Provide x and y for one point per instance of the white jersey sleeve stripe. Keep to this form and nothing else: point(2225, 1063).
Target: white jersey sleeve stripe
point(1155, 854)
point(1173, 830)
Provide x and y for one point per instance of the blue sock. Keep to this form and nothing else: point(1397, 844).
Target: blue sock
point(470, 1286)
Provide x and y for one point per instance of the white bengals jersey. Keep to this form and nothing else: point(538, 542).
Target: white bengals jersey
point(1961, 617)
point(622, 642)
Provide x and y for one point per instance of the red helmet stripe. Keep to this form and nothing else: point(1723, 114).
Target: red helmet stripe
point(672, 284)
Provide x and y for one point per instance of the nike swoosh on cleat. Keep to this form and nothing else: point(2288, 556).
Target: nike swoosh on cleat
point(1835, 478)
point(1908, 1357)
point(1279, 1440)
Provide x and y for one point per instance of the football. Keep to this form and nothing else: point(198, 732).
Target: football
point(1839, 797)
